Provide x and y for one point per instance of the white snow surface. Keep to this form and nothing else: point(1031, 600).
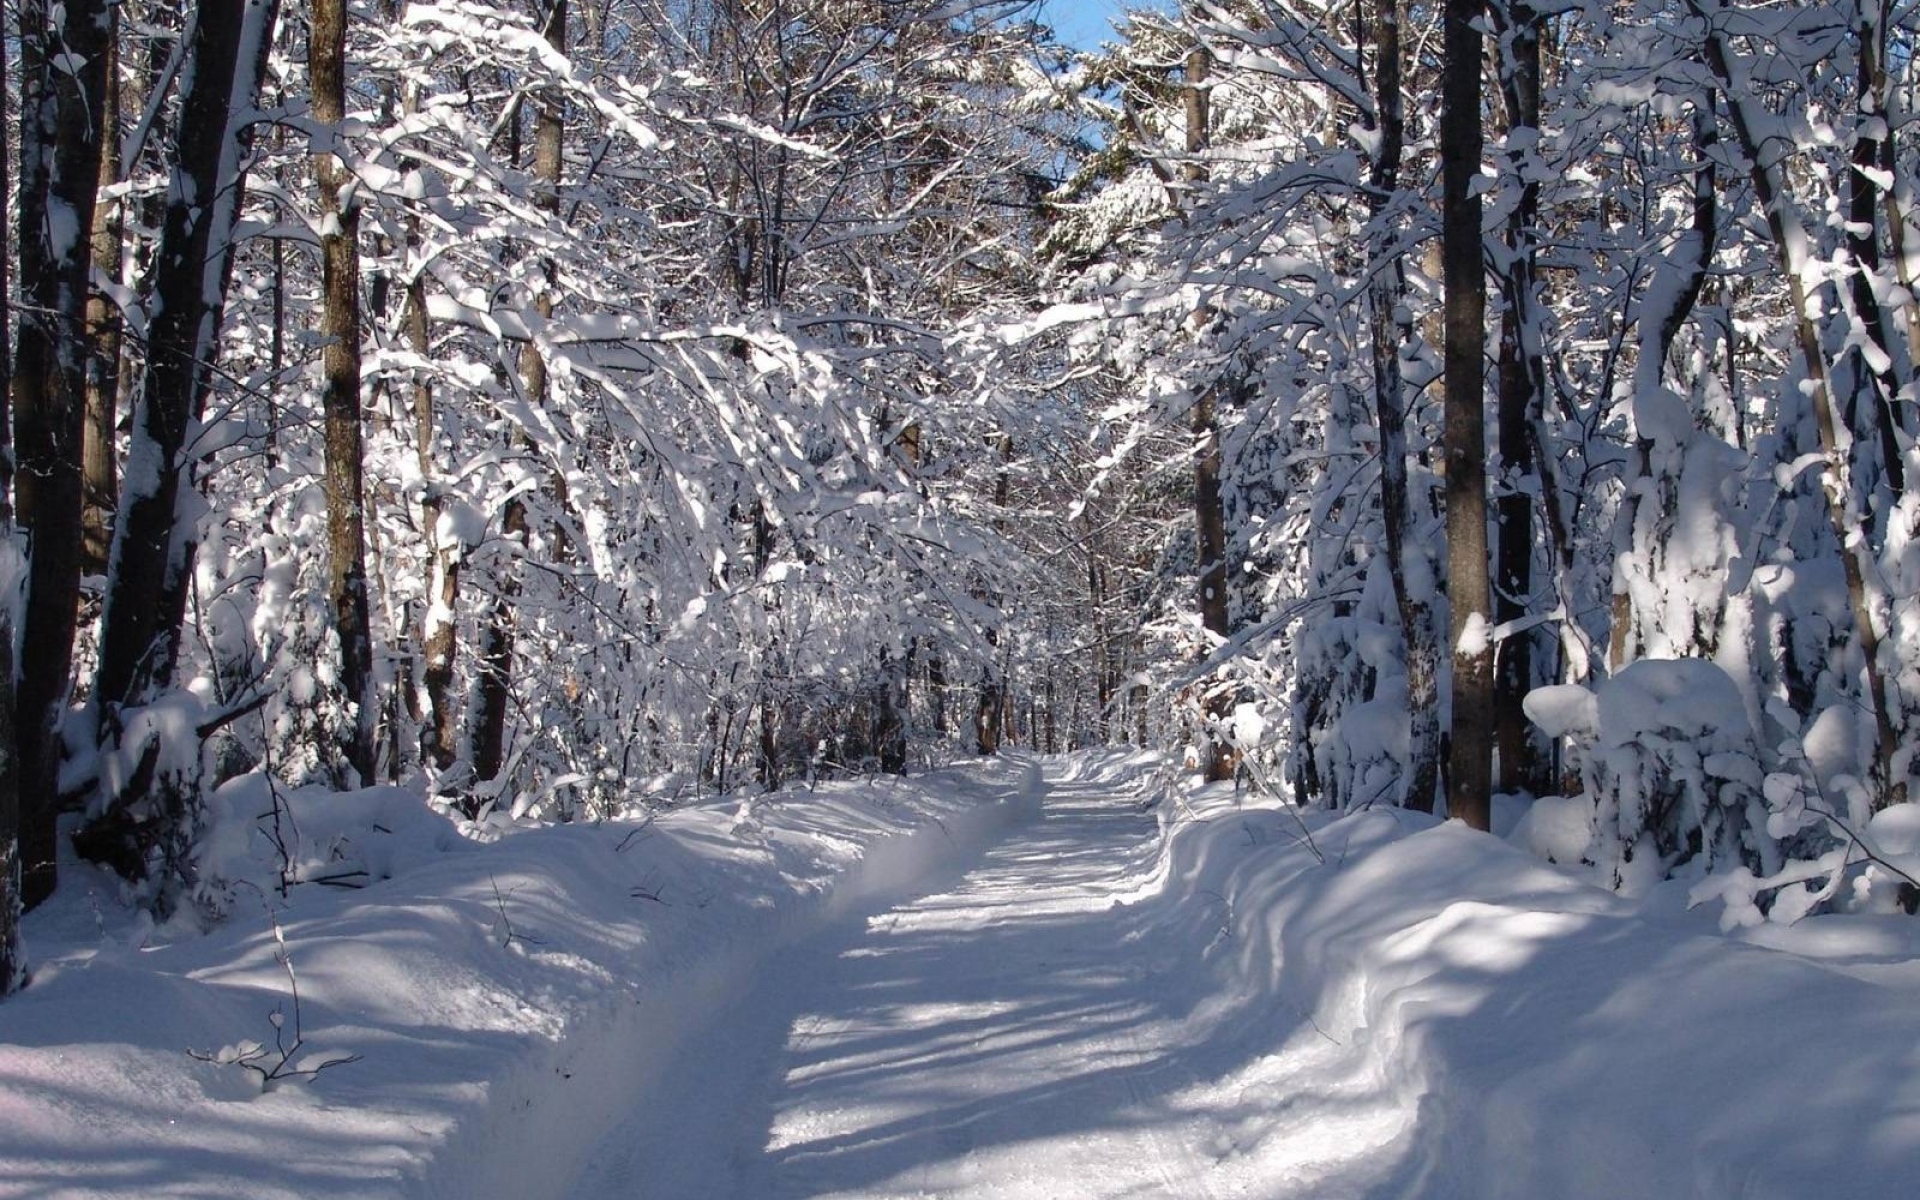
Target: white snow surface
point(1012, 979)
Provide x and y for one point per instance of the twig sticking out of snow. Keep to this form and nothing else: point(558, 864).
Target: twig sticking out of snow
point(276, 1064)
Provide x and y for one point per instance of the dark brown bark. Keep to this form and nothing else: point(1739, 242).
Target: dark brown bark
point(1470, 754)
point(1386, 296)
point(987, 715)
point(1049, 723)
point(767, 768)
point(549, 128)
point(889, 736)
point(146, 594)
point(340, 372)
point(153, 558)
point(59, 168)
point(440, 731)
point(1210, 522)
point(937, 691)
point(277, 340)
point(496, 657)
point(6, 355)
point(13, 963)
point(1103, 671)
point(99, 483)
point(989, 705)
point(1896, 204)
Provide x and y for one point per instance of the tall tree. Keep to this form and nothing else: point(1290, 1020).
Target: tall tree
point(1390, 332)
point(1522, 389)
point(446, 551)
point(1209, 509)
point(496, 677)
point(1876, 408)
point(146, 599)
point(340, 371)
point(1470, 755)
point(62, 86)
point(1767, 166)
point(98, 484)
point(13, 964)
point(13, 953)
point(989, 710)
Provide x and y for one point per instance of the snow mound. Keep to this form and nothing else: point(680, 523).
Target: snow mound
point(500, 999)
point(1511, 1031)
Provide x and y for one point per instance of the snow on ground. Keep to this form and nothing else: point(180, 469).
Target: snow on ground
point(1235, 1000)
point(1085, 997)
point(1539, 1037)
point(505, 1000)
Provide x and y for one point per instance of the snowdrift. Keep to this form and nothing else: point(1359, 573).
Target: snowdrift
point(504, 1001)
point(1376, 1005)
point(1538, 1036)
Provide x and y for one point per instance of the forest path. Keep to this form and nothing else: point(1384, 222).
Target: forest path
point(1028, 1031)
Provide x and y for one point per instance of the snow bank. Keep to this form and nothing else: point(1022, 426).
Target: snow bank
point(504, 1001)
point(1537, 1036)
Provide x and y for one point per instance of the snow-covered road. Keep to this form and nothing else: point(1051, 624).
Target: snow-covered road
point(1030, 1030)
point(938, 987)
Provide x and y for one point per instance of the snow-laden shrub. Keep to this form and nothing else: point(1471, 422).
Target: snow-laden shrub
point(1671, 769)
point(1677, 784)
point(153, 772)
point(1353, 709)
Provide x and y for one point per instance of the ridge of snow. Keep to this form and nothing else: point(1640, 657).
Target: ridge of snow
point(1538, 1035)
point(500, 997)
point(1377, 1004)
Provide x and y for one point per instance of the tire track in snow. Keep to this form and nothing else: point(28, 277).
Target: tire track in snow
point(989, 1040)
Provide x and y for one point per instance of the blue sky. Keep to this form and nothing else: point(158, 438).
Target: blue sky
point(1084, 23)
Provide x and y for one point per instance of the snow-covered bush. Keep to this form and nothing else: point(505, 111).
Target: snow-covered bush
point(1670, 767)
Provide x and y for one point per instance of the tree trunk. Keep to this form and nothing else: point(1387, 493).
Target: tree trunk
point(986, 715)
point(890, 723)
point(1680, 286)
point(1522, 382)
point(1470, 757)
point(446, 553)
point(153, 557)
point(61, 98)
point(937, 691)
point(99, 486)
point(340, 369)
point(1896, 205)
point(1386, 295)
point(13, 958)
point(496, 658)
point(1210, 522)
point(445, 556)
point(1875, 410)
point(1103, 671)
point(13, 955)
point(989, 704)
point(1791, 243)
point(496, 676)
point(6, 363)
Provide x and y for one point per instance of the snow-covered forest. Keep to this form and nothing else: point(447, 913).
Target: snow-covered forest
point(555, 410)
point(442, 418)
